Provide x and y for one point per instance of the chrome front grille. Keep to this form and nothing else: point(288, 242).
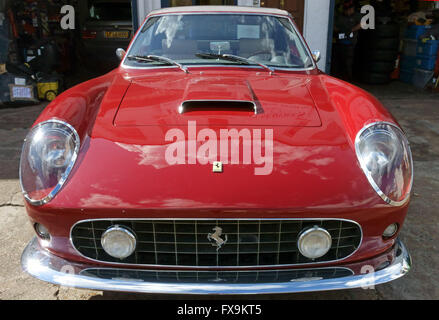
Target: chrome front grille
point(186, 243)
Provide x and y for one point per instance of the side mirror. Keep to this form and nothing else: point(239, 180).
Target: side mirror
point(316, 55)
point(120, 53)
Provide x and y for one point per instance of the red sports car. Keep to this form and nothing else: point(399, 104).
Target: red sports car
point(217, 159)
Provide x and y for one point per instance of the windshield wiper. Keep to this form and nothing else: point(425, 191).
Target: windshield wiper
point(152, 58)
point(231, 57)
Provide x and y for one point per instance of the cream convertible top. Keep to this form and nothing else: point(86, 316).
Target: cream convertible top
point(232, 9)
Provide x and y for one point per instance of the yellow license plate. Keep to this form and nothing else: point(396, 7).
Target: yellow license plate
point(117, 34)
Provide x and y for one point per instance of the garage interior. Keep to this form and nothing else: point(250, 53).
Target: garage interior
point(398, 62)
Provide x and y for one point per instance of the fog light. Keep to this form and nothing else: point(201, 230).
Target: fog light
point(314, 243)
point(42, 231)
point(118, 242)
point(390, 230)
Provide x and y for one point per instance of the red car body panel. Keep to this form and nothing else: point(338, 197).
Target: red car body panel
point(122, 119)
point(161, 93)
point(121, 171)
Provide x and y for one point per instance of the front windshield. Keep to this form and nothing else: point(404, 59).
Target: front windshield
point(264, 39)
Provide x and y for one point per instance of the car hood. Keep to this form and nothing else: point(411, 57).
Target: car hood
point(211, 99)
point(143, 155)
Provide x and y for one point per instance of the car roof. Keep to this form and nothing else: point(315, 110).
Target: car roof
point(231, 9)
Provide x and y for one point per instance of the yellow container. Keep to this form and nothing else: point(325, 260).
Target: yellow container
point(47, 90)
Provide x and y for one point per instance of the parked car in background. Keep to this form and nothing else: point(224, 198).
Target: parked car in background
point(108, 26)
point(217, 159)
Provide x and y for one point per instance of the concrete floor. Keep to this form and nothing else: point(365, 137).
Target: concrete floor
point(417, 112)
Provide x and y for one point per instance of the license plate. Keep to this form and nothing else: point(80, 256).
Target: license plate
point(21, 92)
point(117, 34)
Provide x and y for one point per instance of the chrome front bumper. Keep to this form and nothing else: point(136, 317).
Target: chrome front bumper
point(50, 268)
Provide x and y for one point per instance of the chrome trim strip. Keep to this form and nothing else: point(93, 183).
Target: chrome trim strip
point(291, 19)
point(45, 266)
point(66, 174)
point(368, 175)
point(212, 219)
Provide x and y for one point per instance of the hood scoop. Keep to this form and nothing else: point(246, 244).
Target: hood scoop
point(218, 105)
point(217, 101)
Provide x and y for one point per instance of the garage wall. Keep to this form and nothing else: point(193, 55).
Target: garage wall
point(316, 27)
point(146, 6)
point(249, 3)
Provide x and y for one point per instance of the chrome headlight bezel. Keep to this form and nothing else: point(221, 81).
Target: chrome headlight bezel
point(314, 231)
point(363, 165)
point(62, 180)
point(125, 232)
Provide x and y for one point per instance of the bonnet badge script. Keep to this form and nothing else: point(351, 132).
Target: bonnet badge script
point(215, 238)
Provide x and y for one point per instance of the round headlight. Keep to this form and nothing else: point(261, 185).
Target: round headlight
point(314, 243)
point(386, 159)
point(118, 242)
point(49, 154)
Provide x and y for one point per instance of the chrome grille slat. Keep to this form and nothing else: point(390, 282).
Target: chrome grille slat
point(184, 242)
point(217, 253)
point(259, 242)
point(298, 252)
point(278, 242)
point(155, 245)
point(201, 233)
point(196, 244)
point(237, 253)
point(94, 240)
point(206, 253)
point(338, 238)
point(175, 244)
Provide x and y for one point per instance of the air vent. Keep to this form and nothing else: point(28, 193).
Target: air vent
point(217, 105)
